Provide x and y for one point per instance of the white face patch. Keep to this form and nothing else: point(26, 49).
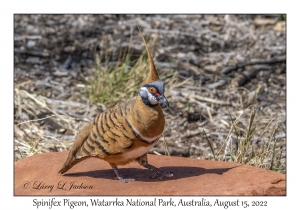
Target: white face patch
point(151, 98)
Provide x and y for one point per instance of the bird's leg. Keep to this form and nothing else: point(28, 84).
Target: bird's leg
point(120, 176)
point(143, 161)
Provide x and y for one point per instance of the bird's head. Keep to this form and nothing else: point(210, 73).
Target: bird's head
point(152, 90)
point(153, 94)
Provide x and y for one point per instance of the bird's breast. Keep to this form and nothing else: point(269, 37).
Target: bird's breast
point(148, 123)
point(135, 153)
point(138, 149)
point(148, 138)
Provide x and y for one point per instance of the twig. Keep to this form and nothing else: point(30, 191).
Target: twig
point(209, 114)
point(56, 140)
point(166, 146)
point(192, 133)
point(211, 148)
point(157, 153)
point(229, 69)
point(182, 83)
point(247, 75)
point(74, 115)
point(20, 38)
point(23, 83)
point(44, 106)
point(216, 84)
point(36, 120)
point(210, 100)
point(32, 52)
point(201, 98)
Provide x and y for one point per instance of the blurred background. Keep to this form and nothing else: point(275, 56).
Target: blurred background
point(225, 78)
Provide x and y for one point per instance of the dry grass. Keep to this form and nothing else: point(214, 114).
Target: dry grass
point(264, 151)
point(31, 136)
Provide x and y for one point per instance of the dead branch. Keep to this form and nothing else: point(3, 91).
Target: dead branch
point(229, 69)
point(216, 84)
point(32, 52)
point(247, 75)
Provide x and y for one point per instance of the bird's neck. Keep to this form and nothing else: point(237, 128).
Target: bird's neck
point(149, 121)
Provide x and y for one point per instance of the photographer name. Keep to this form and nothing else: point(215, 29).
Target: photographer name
point(62, 185)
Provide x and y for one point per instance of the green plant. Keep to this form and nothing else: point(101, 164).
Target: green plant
point(283, 17)
point(111, 84)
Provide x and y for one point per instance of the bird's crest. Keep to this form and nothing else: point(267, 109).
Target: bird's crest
point(152, 76)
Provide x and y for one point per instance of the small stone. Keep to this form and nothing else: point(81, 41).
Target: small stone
point(30, 43)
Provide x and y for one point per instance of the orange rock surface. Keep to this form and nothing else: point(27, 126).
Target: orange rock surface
point(37, 175)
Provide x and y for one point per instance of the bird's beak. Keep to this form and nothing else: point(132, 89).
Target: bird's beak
point(163, 102)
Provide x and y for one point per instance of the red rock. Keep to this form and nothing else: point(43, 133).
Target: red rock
point(191, 177)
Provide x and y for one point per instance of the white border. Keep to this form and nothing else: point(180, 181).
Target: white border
point(153, 6)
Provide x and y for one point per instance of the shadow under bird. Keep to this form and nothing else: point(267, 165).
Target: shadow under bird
point(126, 132)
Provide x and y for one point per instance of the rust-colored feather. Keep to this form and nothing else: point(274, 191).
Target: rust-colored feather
point(81, 138)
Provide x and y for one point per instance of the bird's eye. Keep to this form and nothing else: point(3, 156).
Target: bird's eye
point(152, 90)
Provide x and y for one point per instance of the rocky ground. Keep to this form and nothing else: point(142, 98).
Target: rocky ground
point(220, 71)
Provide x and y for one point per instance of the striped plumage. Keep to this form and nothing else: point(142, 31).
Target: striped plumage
point(125, 132)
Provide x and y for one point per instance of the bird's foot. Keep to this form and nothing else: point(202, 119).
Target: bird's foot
point(125, 180)
point(158, 172)
point(161, 173)
point(120, 176)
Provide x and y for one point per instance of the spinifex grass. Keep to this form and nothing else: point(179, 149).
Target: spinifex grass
point(241, 145)
point(122, 81)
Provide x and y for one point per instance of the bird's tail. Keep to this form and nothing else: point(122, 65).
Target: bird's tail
point(70, 162)
point(72, 158)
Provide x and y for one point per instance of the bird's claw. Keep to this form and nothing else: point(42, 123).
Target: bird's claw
point(125, 180)
point(161, 173)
